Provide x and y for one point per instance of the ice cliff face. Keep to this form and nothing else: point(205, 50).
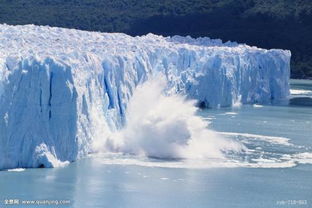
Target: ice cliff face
point(62, 88)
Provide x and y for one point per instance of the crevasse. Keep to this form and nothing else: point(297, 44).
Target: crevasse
point(62, 88)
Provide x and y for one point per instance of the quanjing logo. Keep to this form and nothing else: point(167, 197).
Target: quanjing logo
point(35, 202)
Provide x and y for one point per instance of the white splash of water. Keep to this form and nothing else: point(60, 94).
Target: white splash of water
point(163, 126)
point(237, 103)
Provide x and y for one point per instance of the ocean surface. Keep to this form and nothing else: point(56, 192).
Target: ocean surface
point(274, 170)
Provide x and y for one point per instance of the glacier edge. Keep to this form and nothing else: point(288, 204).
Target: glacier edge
point(62, 88)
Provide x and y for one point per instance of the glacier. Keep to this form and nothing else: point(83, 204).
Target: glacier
point(61, 89)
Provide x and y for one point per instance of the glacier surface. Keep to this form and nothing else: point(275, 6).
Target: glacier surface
point(60, 89)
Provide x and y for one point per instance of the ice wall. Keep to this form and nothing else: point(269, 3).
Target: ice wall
point(60, 89)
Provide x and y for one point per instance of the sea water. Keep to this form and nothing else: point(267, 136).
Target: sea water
point(273, 170)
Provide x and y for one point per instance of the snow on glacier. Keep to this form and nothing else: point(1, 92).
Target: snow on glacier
point(60, 89)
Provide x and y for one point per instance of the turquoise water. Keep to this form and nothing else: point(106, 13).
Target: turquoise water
point(276, 171)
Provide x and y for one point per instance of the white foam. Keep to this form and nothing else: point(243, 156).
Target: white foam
point(271, 139)
point(300, 92)
point(230, 113)
point(209, 118)
point(263, 160)
point(303, 158)
point(199, 164)
point(16, 170)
